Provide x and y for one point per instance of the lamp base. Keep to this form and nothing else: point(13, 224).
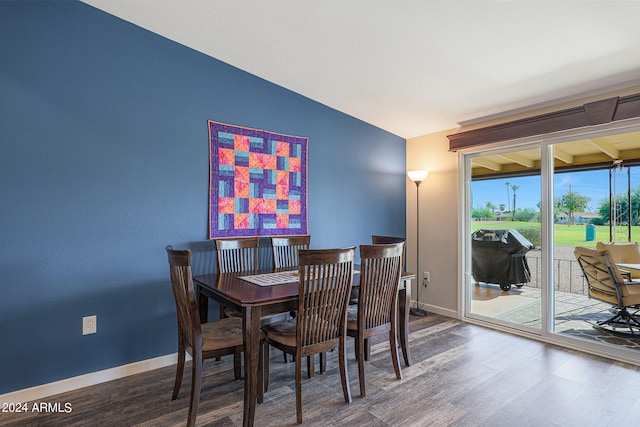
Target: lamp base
point(417, 312)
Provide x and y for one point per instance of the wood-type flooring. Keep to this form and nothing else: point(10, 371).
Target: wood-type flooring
point(462, 375)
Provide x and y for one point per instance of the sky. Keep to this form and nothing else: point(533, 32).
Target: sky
point(593, 184)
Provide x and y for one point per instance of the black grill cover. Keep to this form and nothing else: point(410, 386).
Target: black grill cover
point(498, 256)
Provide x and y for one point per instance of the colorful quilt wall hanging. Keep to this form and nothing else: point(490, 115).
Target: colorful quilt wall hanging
point(257, 183)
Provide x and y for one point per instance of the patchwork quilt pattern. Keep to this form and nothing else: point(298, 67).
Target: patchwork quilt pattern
point(258, 182)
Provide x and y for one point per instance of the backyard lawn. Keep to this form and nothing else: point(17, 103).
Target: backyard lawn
point(564, 235)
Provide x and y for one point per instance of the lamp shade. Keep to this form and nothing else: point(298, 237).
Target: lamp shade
point(417, 176)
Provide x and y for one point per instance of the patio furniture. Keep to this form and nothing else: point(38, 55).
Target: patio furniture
point(606, 283)
point(623, 253)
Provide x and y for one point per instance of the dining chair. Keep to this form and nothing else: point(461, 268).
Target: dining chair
point(385, 240)
point(376, 240)
point(201, 341)
point(285, 250)
point(376, 311)
point(325, 277)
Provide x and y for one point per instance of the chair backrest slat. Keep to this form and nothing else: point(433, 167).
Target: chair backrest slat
point(325, 285)
point(385, 240)
point(236, 255)
point(380, 271)
point(285, 250)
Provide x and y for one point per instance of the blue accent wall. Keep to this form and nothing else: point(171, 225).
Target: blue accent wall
point(104, 161)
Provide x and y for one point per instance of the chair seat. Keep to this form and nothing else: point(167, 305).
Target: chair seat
point(282, 332)
point(231, 312)
point(222, 333)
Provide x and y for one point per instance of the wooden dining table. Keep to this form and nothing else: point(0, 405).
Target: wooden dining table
point(255, 301)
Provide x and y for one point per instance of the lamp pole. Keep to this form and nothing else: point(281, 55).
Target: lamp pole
point(417, 177)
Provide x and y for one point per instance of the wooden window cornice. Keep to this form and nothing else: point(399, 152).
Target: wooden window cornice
point(590, 114)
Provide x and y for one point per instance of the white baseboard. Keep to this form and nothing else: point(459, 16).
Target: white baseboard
point(74, 383)
point(437, 310)
point(440, 310)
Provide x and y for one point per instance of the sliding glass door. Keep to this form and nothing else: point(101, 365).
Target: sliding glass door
point(526, 209)
point(504, 237)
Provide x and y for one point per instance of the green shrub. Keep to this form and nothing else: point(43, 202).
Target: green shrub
point(533, 234)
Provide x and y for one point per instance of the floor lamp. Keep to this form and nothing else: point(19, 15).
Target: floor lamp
point(417, 177)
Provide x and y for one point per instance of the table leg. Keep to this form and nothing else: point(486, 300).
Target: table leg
point(203, 305)
point(251, 335)
point(404, 303)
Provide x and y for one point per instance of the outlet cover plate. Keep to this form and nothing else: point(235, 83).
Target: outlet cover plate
point(89, 325)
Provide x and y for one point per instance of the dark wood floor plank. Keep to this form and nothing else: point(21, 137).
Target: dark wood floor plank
point(463, 375)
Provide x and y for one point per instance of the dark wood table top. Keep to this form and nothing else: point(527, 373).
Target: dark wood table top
point(241, 292)
point(230, 287)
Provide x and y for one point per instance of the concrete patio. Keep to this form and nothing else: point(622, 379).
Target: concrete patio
point(575, 313)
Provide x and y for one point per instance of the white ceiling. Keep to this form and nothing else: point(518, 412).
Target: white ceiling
point(411, 67)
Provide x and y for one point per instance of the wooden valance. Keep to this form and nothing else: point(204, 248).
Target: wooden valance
point(590, 114)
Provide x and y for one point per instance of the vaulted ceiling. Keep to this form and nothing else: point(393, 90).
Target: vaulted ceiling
point(412, 67)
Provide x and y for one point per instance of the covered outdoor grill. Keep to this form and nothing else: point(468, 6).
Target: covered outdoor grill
point(499, 256)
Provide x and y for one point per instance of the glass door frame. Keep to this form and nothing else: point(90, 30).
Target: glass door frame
point(467, 279)
point(545, 143)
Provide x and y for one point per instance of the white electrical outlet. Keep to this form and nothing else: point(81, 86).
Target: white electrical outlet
point(89, 325)
point(427, 277)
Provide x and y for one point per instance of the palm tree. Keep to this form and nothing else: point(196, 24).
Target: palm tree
point(508, 184)
point(514, 187)
point(491, 206)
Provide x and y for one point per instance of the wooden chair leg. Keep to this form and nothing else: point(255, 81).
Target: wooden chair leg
point(311, 366)
point(367, 350)
point(237, 365)
point(356, 347)
point(395, 356)
point(179, 372)
point(344, 376)
point(404, 324)
point(299, 388)
point(265, 374)
point(196, 378)
point(361, 359)
point(323, 362)
point(261, 373)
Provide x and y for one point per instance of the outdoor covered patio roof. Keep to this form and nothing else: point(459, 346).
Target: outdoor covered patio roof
point(581, 154)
